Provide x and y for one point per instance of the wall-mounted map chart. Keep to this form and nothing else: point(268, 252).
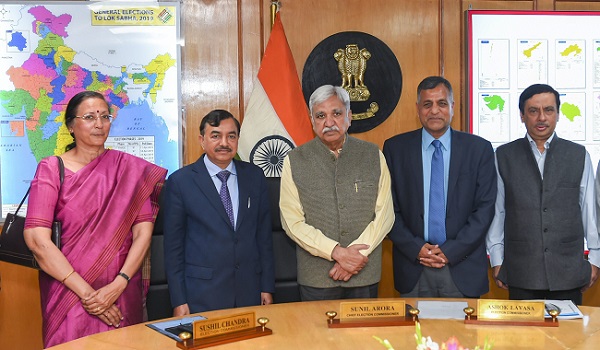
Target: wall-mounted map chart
point(49, 51)
point(510, 50)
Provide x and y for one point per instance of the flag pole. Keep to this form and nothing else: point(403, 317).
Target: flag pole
point(274, 8)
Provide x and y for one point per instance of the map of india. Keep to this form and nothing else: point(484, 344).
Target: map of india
point(52, 52)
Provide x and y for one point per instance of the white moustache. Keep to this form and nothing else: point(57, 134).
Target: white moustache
point(333, 128)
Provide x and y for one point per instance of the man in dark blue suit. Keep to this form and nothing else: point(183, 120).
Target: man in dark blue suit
point(440, 255)
point(217, 226)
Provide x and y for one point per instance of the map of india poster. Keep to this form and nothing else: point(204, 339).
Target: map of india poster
point(50, 51)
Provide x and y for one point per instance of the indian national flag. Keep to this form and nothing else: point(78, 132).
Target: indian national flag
point(276, 118)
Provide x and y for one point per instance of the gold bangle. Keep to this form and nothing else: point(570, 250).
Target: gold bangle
point(67, 276)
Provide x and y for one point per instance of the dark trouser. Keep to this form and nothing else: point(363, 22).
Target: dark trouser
point(528, 294)
point(435, 283)
point(311, 293)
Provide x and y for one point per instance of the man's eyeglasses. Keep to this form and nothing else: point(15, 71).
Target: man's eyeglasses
point(90, 118)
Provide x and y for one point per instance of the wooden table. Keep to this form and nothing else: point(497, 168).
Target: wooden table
point(304, 326)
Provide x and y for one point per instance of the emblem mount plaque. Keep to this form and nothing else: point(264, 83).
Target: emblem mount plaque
point(363, 65)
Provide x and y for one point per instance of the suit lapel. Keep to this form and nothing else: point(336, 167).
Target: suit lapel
point(416, 159)
point(207, 187)
point(244, 184)
point(456, 159)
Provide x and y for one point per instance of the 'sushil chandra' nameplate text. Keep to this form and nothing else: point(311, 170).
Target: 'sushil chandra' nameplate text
point(223, 325)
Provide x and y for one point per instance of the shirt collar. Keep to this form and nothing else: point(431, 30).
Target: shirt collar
point(445, 139)
point(546, 144)
point(214, 169)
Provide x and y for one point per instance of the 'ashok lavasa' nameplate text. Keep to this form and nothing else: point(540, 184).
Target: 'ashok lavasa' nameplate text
point(222, 325)
point(510, 310)
point(356, 311)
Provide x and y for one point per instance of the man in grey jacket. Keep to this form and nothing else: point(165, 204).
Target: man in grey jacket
point(336, 204)
point(544, 208)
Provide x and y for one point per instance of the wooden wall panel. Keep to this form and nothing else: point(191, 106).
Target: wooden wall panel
point(211, 61)
point(452, 55)
point(498, 5)
point(577, 5)
point(254, 30)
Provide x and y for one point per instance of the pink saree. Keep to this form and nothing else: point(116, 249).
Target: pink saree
point(97, 206)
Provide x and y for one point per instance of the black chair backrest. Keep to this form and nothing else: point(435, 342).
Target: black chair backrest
point(158, 301)
point(284, 251)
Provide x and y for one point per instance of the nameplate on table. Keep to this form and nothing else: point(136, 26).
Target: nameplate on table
point(362, 310)
point(510, 310)
point(224, 325)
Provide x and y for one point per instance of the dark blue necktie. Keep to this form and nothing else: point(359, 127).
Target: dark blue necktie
point(224, 194)
point(437, 203)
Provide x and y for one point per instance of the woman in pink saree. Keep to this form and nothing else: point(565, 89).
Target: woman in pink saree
point(107, 205)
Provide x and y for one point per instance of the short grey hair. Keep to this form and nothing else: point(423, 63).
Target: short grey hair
point(324, 92)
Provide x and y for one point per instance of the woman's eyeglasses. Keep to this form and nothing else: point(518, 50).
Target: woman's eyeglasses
point(90, 118)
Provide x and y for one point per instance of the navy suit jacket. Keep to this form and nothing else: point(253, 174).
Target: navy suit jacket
point(472, 191)
point(210, 265)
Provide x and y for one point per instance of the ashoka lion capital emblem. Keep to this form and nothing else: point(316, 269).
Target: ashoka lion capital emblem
point(352, 64)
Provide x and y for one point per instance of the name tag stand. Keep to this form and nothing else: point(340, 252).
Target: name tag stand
point(372, 314)
point(510, 313)
point(223, 330)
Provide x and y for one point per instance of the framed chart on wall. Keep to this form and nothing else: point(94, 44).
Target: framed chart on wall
point(49, 51)
point(509, 50)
